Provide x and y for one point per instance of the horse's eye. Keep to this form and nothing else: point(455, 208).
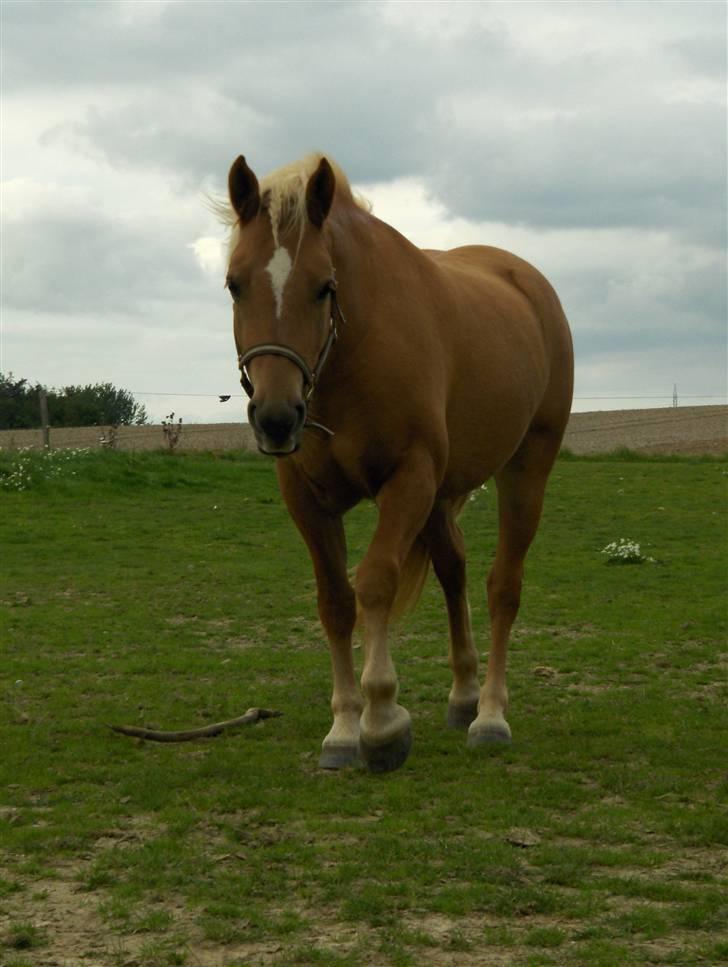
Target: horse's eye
point(233, 288)
point(323, 291)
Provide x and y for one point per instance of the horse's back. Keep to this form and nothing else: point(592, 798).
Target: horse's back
point(505, 294)
point(486, 265)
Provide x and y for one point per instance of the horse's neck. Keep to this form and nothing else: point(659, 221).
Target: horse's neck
point(371, 256)
point(384, 289)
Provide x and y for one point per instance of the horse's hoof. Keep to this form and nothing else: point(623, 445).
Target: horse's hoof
point(490, 734)
point(460, 716)
point(388, 757)
point(338, 756)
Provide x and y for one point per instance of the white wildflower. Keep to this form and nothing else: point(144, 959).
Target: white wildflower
point(624, 551)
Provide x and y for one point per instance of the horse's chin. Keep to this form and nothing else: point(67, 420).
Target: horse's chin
point(271, 449)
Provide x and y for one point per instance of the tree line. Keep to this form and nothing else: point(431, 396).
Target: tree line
point(100, 404)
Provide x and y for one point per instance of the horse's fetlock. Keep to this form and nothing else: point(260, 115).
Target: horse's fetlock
point(379, 687)
point(464, 664)
point(350, 707)
point(493, 700)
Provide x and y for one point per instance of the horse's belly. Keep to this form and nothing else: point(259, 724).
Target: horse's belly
point(479, 450)
point(488, 416)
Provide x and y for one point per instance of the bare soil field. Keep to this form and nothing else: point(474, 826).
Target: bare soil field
point(691, 430)
point(195, 436)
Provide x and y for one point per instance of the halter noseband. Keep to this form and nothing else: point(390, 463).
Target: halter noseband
point(310, 376)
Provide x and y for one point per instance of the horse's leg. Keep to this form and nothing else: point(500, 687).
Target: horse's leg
point(404, 503)
point(445, 542)
point(324, 536)
point(521, 485)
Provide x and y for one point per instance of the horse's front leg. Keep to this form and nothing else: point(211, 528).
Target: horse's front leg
point(324, 536)
point(404, 504)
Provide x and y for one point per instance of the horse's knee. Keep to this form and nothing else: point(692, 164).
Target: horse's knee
point(504, 593)
point(376, 585)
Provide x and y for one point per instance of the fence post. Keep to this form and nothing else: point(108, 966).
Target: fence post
point(43, 400)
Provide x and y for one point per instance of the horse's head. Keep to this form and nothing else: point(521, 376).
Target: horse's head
point(281, 280)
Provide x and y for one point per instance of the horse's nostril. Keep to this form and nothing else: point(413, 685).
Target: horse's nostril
point(278, 421)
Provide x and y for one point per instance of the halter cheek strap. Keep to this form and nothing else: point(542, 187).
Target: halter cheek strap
point(310, 376)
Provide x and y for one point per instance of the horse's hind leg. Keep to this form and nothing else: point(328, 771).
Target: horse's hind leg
point(521, 485)
point(326, 542)
point(445, 543)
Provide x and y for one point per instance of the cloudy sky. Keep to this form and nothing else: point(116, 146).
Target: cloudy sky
point(589, 138)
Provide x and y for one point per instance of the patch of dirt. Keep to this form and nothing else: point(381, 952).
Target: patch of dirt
point(239, 643)
point(67, 919)
point(76, 932)
point(575, 633)
point(688, 430)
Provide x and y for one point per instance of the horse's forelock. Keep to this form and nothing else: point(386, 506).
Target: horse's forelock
point(283, 197)
point(284, 193)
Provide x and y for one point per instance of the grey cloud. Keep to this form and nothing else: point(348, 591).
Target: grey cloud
point(587, 141)
point(86, 263)
point(160, 132)
point(705, 53)
point(599, 134)
point(266, 94)
point(605, 169)
point(675, 298)
point(78, 42)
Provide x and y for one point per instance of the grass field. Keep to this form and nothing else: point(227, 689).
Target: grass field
point(172, 591)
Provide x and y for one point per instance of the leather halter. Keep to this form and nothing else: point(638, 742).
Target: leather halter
point(310, 376)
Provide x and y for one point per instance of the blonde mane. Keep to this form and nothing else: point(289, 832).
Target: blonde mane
point(283, 195)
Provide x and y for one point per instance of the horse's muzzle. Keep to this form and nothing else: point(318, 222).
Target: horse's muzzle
point(277, 426)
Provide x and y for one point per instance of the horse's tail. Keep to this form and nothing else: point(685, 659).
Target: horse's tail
point(413, 573)
point(412, 577)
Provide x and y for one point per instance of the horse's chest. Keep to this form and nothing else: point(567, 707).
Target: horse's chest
point(339, 484)
point(334, 492)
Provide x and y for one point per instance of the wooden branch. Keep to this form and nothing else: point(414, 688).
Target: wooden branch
point(206, 732)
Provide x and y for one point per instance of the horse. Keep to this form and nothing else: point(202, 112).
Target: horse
point(378, 370)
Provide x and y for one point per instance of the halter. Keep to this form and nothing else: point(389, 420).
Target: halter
point(310, 376)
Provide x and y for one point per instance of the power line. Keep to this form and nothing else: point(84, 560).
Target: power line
point(683, 396)
point(627, 396)
point(213, 396)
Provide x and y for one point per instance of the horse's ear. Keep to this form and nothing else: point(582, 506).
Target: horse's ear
point(320, 193)
point(244, 191)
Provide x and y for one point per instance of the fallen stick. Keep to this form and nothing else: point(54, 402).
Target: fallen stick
point(206, 732)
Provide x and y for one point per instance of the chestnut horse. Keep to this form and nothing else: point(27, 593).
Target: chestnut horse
point(379, 370)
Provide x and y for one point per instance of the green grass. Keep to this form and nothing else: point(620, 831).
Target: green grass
point(171, 591)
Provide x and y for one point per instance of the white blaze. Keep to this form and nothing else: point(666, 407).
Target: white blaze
point(279, 268)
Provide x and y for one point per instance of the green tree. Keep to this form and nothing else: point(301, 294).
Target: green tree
point(94, 405)
point(18, 404)
point(101, 404)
